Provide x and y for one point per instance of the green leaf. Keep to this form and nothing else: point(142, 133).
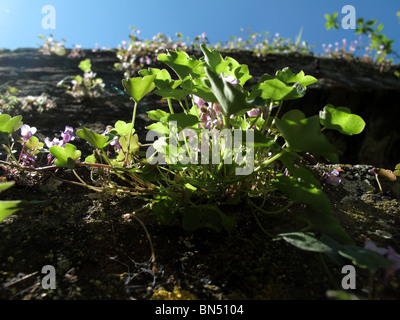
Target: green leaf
point(364, 258)
point(91, 159)
point(286, 75)
point(59, 50)
point(133, 145)
point(181, 63)
point(159, 128)
point(85, 65)
point(6, 185)
point(273, 89)
point(138, 87)
point(8, 207)
point(214, 60)
point(308, 241)
point(163, 78)
point(33, 144)
point(65, 157)
point(191, 219)
point(169, 93)
point(122, 128)
point(165, 210)
point(158, 115)
point(342, 120)
point(183, 120)
point(198, 87)
point(302, 191)
point(8, 125)
point(319, 215)
point(231, 99)
point(96, 140)
point(242, 73)
point(210, 217)
point(304, 135)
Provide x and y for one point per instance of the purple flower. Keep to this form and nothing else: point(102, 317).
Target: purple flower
point(332, 177)
point(28, 160)
point(254, 112)
point(393, 256)
point(232, 80)
point(370, 245)
point(68, 135)
point(27, 132)
point(390, 254)
point(199, 101)
point(115, 144)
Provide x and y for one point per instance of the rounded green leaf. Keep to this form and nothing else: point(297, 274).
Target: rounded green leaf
point(65, 157)
point(8, 124)
point(304, 135)
point(181, 63)
point(273, 89)
point(33, 143)
point(138, 87)
point(342, 120)
point(85, 65)
point(364, 258)
point(96, 140)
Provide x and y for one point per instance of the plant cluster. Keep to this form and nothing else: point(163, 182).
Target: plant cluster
point(378, 45)
point(10, 102)
point(139, 53)
point(264, 43)
point(86, 86)
point(52, 46)
point(228, 144)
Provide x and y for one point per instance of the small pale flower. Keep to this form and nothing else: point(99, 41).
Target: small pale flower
point(232, 80)
point(254, 112)
point(27, 132)
point(199, 101)
point(371, 245)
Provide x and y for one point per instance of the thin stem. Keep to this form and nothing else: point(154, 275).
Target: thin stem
point(153, 256)
point(130, 132)
point(259, 224)
point(270, 160)
point(272, 212)
point(170, 106)
point(275, 117)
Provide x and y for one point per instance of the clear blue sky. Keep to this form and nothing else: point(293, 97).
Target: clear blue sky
point(86, 22)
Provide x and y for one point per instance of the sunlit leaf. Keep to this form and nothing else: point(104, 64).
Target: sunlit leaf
point(181, 63)
point(65, 157)
point(138, 87)
point(96, 140)
point(8, 124)
point(341, 119)
point(231, 99)
point(33, 143)
point(85, 65)
point(304, 135)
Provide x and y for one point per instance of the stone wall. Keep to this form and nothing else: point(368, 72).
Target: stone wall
point(372, 94)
